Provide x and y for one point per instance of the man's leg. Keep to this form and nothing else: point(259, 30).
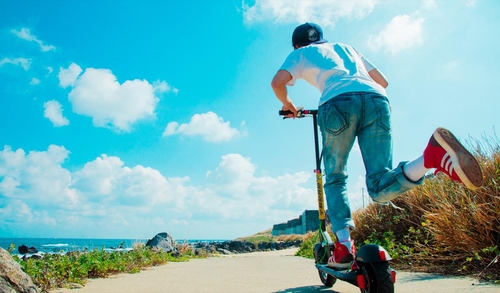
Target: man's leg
point(338, 128)
point(443, 152)
point(375, 142)
point(338, 121)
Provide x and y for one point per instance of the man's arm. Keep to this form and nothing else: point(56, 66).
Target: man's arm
point(280, 79)
point(378, 77)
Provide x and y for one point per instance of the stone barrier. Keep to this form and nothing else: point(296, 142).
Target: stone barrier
point(306, 222)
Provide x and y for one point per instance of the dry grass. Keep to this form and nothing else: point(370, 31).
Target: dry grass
point(291, 237)
point(266, 236)
point(137, 245)
point(442, 227)
point(185, 248)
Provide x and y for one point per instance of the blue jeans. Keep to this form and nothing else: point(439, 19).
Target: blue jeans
point(367, 116)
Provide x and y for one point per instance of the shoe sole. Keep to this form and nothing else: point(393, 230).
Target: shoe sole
point(464, 163)
point(336, 265)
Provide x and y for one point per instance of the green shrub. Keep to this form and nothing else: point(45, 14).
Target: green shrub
point(307, 246)
point(56, 270)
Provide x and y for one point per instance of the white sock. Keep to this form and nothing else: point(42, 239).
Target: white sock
point(344, 237)
point(415, 169)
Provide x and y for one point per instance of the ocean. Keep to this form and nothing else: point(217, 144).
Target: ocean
point(63, 245)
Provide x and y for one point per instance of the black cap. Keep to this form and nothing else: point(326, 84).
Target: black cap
point(307, 33)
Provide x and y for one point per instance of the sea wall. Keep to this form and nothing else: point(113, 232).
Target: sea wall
point(306, 222)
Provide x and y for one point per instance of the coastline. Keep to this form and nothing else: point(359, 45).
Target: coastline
point(64, 245)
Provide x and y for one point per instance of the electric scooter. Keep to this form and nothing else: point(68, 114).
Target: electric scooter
point(370, 270)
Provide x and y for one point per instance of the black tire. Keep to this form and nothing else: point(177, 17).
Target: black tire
point(378, 277)
point(321, 257)
point(326, 279)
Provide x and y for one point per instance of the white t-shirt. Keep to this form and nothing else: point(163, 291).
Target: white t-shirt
point(333, 69)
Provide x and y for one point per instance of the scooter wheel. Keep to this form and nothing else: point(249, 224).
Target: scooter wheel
point(377, 276)
point(321, 256)
point(326, 279)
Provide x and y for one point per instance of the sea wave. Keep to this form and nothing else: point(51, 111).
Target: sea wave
point(56, 245)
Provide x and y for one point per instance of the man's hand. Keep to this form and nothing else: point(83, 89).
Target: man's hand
point(289, 106)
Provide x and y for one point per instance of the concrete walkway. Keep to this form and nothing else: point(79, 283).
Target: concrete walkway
point(276, 271)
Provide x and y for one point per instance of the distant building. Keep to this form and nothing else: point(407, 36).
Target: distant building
point(308, 221)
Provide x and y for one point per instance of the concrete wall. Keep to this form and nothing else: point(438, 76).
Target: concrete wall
point(279, 229)
point(306, 222)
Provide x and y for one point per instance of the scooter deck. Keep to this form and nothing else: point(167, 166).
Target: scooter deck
point(344, 274)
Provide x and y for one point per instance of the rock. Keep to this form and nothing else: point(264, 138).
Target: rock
point(164, 242)
point(237, 246)
point(224, 251)
point(23, 249)
point(12, 278)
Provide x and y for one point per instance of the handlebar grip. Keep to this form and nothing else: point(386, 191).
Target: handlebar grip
point(284, 113)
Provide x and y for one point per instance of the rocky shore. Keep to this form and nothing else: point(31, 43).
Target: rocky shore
point(164, 241)
point(237, 247)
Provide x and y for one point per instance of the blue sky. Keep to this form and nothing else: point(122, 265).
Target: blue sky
point(122, 119)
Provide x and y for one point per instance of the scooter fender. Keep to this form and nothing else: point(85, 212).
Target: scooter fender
point(372, 253)
point(320, 253)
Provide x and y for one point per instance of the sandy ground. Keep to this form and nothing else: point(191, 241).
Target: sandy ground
point(276, 271)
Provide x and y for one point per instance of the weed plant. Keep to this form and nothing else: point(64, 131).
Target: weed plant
point(307, 247)
point(64, 270)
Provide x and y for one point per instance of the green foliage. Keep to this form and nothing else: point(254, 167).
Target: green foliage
point(60, 270)
point(307, 247)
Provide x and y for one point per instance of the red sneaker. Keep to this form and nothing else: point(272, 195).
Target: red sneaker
point(341, 256)
point(445, 153)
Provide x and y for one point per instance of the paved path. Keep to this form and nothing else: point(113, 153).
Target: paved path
point(277, 271)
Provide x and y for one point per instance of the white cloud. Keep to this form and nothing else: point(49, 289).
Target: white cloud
point(37, 177)
point(323, 12)
point(53, 112)
point(403, 32)
point(17, 212)
point(97, 94)
point(140, 200)
point(23, 62)
point(233, 175)
point(25, 34)
point(67, 77)
point(34, 81)
point(164, 87)
point(208, 125)
point(107, 180)
point(238, 192)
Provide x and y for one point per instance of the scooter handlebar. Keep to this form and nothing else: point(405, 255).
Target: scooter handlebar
point(300, 112)
point(284, 113)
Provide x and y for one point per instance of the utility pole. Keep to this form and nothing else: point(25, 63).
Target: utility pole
point(363, 196)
